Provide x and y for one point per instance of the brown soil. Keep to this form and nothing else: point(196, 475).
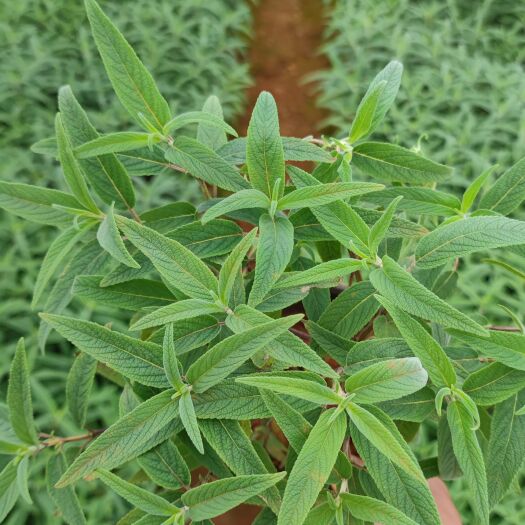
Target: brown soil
point(284, 50)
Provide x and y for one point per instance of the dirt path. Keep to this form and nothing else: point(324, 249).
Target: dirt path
point(284, 49)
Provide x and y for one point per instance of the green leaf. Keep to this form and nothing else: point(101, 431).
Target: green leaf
point(393, 163)
point(232, 265)
point(169, 359)
point(326, 271)
point(130, 295)
point(390, 379)
point(137, 496)
point(408, 294)
point(374, 510)
point(321, 194)
point(474, 188)
point(235, 448)
point(212, 136)
point(416, 407)
point(507, 267)
point(189, 421)
point(362, 123)
point(22, 478)
point(36, 204)
point(380, 437)
point(470, 457)
point(273, 255)
point(493, 384)
point(391, 74)
point(65, 499)
point(418, 201)
point(198, 117)
point(19, 397)
point(380, 228)
point(175, 263)
point(506, 447)
point(264, 148)
point(296, 429)
point(72, 172)
point(115, 143)
point(203, 163)
point(351, 310)
point(225, 357)
point(506, 347)
point(241, 200)
point(435, 361)
point(165, 465)
point(170, 313)
point(147, 425)
point(133, 358)
point(215, 498)
point(60, 248)
point(508, 192)
point(287, 347)
point(109, 238)
point(106, 173)
point(465, 236)
point(339, 219)
point(409, 494)
point(311, 469)
point(301, 388)
point(78, 387)
point(131, 81)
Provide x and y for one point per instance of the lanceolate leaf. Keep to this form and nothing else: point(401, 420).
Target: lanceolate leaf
point(303, 487)
point(36, 204)
point(109, 238)
point(198, 117)
point(390, 379)
point(189, 421)
point(137, 496)
point(232, 265)
point(508, 192)
point(325, 271)
point(19, 397)
point(398, 286)
point(234, 447)
point(60, 248)
point(264, 149)
point(131, 81)
point(324, 194)
point(374, 510)
point(241, 200)
point(300, 388)
point(390, 162)
point(407, 493)
point(149, 424)
point(273, 255)
point(466, 236)
point(212, 499)
point(287, 347)
point(135, 359)
point(435, 361)
point(205, 164)
point(379, 436)
point(506, 447)
point(470, 457)
point(72, 172)
point(226, 356)
point(78, 386)
point(185, 309)
point(65, 499)
point(115, 143)
point(170, 361)
point(211, 136)
point(180, 267)
point(361, 126)
point(105, 173)
point(380, 228)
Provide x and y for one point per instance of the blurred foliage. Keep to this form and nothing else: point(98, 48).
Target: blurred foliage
point(463, 88)
point(194, 48)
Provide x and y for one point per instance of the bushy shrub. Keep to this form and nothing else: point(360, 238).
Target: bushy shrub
point(289, 335)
